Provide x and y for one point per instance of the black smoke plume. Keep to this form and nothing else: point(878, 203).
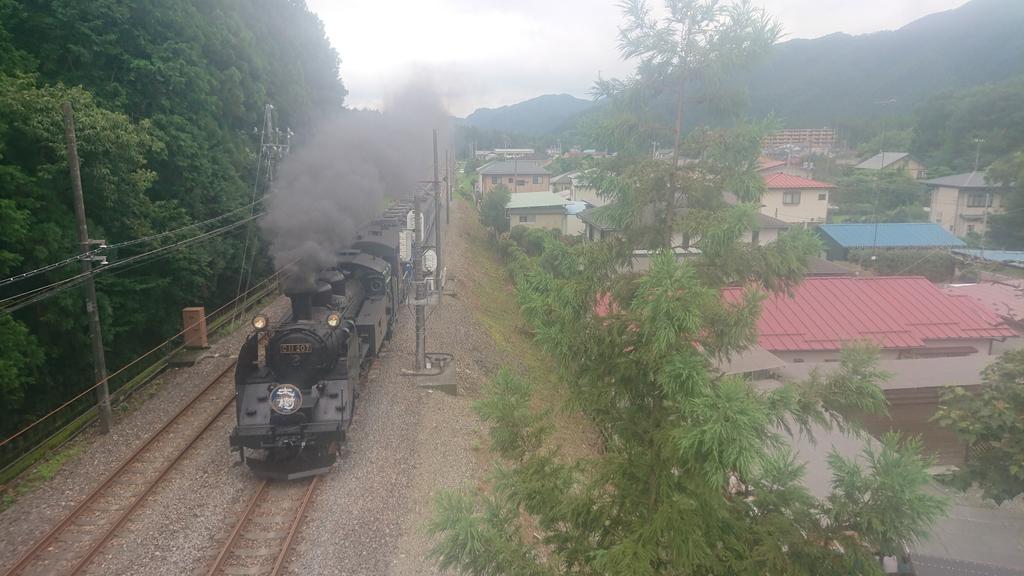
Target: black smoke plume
point(344, 176)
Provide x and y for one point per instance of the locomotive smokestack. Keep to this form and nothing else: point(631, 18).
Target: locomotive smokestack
point(302, 306)
point(300, 288)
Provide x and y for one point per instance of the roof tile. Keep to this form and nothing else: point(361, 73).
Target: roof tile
point(780, 180)
point(894, 312)
point(890, 235)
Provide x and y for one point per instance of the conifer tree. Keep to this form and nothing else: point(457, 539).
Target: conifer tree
point(695, 475)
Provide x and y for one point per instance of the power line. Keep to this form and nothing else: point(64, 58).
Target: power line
point(136, 360)
point(79, 277)
point(27, 298)
point(79, 257)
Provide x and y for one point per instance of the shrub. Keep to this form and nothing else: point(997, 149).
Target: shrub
point(934, 265)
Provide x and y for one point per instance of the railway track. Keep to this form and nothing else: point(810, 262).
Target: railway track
point(70, 546)
point(260, 541)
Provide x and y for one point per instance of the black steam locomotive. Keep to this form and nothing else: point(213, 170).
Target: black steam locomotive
point(297, 381)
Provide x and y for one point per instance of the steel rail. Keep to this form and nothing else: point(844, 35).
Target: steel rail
point(35, 551)
point(248, 515)
point(150, 486)
point(226, 550)
point(294, 529)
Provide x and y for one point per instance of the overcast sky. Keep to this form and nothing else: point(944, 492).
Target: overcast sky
point(495, 52)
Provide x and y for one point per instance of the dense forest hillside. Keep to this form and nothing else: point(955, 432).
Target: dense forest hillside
point(168, 95)
point(840, 77)
point(837, 80)
point(536, 116)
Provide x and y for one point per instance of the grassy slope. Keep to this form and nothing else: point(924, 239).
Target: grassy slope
point(493, 300)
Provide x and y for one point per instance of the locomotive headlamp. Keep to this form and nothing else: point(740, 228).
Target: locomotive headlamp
point(334, 319)
point(259, 322)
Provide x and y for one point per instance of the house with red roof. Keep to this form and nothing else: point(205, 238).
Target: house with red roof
point(766, 164)
point(795, 199)
point(907, 317)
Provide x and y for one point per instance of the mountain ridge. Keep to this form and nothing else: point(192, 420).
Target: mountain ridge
point(536, 116)
point(840, 79)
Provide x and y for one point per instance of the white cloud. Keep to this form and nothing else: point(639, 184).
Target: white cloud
point(489, 52)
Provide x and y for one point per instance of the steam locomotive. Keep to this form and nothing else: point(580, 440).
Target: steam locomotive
point(297, 381)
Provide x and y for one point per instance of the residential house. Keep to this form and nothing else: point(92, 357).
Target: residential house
point(1004, 298)
point(906, 317)
point(894, 162)
point(795, 199)
point(973, 538)
point(821, 267)
point(537, 210)
point(596, 225)
point(516, 175)
point(913, 390)
point(839, 239)
point(767, 231)
point(572, 186)
point(769, 165)
point(1010, 258)
point(962, 203)
point(507, 153)
point(563, 182)
point(794, 166)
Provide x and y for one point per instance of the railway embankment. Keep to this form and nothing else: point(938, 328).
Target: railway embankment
point(368, 515)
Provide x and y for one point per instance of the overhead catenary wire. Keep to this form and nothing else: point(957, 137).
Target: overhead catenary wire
point(265, 152)
point(27, 298)
point(75, 280)
point(284, 269)
point(97, 251)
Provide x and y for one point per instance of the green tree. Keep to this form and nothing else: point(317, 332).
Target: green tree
point(949, 126)
point(1007, 227)
point(698, 41)
point(866, 195)
point(493, 212)
point(936, 266)
point(166, 94)
point(897, 140)
point(990, 423)
point(694, 476)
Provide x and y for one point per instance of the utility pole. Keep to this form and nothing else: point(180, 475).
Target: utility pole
point(99, 367)
point(878, 180)
point(988, 193)
point(437, 221)
point(447, 189)
point(417, 266)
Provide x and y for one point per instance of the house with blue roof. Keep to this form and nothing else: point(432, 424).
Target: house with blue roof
point(839, 239)
point(1014, 258)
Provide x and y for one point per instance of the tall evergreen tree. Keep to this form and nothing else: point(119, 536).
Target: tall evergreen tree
point(695, 475)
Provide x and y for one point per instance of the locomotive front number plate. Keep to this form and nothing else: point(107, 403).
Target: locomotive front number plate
point(296, 348)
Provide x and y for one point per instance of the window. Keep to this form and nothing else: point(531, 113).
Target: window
point(822, 197)
point(979, 200)
point(791, 197)
point(527, 218)
point(970, 228)
point(495, 180)
point(509, 180)
point(755, 236)
point(536, 179)
point(520, 182)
